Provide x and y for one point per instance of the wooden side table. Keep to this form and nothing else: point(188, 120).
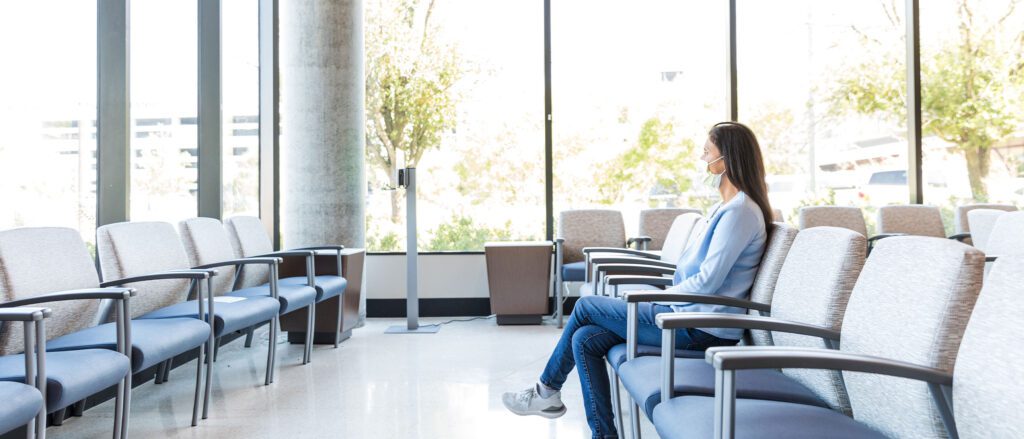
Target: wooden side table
point(327, 311)
point(518, 277)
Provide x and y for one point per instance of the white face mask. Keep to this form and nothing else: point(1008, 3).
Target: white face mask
point(714, 181)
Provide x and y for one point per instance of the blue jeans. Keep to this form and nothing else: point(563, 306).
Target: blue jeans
point(596, 325)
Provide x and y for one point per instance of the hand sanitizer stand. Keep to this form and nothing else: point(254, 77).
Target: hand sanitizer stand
point(407, 179)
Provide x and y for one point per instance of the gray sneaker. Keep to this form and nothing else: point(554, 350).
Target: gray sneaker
point(529, 402)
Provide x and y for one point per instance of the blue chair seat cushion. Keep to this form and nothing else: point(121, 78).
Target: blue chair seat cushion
point(617, 354)
point(327, 285)
point(71, 376)
point(227, 316)
point(292, 297)
point(574, 271)
point(20, 405)
point(642, 379)
point(693, 417)
point(153, 340)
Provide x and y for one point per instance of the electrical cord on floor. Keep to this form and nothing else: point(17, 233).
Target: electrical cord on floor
point(462, 320)
point(560, 305)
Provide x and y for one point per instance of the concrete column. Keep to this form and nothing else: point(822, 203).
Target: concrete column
point(322, 147)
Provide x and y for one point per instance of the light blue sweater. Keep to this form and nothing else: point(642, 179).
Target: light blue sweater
point(723, 261)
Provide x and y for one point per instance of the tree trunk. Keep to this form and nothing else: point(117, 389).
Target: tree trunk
point(978, 159)
point(396, 196)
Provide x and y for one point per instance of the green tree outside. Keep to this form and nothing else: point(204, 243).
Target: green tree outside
point(410, 76)
point(972, 87)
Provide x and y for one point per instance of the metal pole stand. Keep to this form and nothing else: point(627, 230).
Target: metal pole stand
point(407, 179)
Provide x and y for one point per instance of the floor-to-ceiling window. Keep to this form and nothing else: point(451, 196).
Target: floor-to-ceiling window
point(456, 89)
point(635, 87)
point(48, 115)
point(240, 108)
point(164, 106)
point(822, 83)
point(972, 90)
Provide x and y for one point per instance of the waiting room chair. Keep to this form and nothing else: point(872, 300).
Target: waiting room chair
point(778, 246)
point(981, 222)
point(638, 262)
point(962, 217)
point(23, 401)
point(209, 247)
point(909, 307)
point(249, 239)
point(1007, 236)
point(51, 267)
point(911, 219)
point(578, 229)
point(812, 284)
point(655, 225)
point(151, 252)
point(833, 216)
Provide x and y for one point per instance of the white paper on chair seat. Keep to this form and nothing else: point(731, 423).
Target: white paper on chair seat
point(228, 299)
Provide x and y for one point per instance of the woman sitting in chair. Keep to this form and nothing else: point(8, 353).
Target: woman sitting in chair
point(721, 262)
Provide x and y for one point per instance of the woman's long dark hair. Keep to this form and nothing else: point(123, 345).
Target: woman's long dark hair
point(743, 164)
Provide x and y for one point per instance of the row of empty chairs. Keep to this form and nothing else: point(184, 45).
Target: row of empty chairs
point(165, 294)
point(909, 219)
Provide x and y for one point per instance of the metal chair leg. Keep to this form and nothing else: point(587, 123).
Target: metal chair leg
point(118, 414)
point(126, 412)
point(274, 325)
point(209, 381)
point(78, 408)
point(248, 337)
point(634, 421)
point(160, 370)
point(337, 329)
point(199, 383)
point(167, 369)
point(216, 348)
point(616, 400)
point(310, 322)
point(271, 352)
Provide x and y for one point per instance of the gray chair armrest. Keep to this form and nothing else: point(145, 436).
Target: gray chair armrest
point(337, 253)
point(642, 241)
point(625, 279)
point(681, 320)
point(176, 274)
point(710, 353)
point(883, 236)
point(783, 357)
point(310, 258)
point(628, 251)
point(23, 314)
point(960, 236)
point(636, 297)
point(637, 269)
point(287, 253)
point(727, 362)
point(84, 294)
point(322, 247)
point(244, 261)
point(599, 261)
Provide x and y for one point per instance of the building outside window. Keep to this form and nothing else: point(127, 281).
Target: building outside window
point(48, 115)
point(163, 110)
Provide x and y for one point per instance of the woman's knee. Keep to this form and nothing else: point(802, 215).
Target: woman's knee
point(586, 305)
point(590, 340)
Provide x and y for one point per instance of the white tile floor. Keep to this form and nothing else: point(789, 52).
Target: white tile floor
point(446, 385)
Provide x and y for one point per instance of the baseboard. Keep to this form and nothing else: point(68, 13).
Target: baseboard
point(445, 307)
